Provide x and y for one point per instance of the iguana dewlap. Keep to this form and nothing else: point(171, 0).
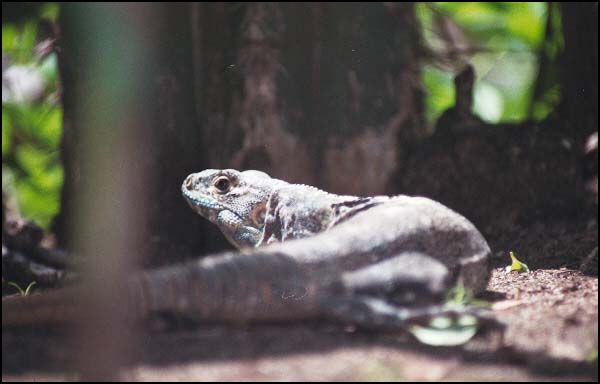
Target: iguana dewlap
point(375, 261)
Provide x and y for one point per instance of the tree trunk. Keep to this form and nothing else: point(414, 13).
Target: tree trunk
point(312, 93)
point(579, 68)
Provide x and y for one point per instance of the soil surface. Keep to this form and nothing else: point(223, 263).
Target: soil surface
point(550, 317)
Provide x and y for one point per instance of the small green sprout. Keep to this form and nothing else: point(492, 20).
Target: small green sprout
point(22, 292)
point(516, 265)
point(460, 296)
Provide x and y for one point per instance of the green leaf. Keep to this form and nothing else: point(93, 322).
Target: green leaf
point(31, 128)
point(6, 134)
point(28, 289)
point(37, 204)
point(50, 11)
point(440, 91)
point(40, 124)
point(458, 295)
point(18, 41)
point(31, 159)
point(50, 127)
point(445, 331)
point(512, 36)
point(516, 265)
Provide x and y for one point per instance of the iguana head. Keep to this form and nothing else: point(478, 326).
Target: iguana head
point(234, 201)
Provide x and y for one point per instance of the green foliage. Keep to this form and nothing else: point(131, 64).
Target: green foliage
point(31, 121)
point(18, 41)
point(49, 11)
point(504, 42)
point(547, 91)
point(505, 25)
point(6, 134)
point(459, 296)
point(440, 91)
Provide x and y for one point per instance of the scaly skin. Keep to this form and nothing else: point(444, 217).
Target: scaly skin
point(379, 262)
point(351, 257)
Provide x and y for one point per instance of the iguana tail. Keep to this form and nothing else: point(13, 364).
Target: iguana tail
point(227, 287)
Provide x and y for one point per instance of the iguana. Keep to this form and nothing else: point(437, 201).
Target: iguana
point(377, 262)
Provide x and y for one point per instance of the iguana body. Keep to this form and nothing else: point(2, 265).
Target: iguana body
point(376, 262)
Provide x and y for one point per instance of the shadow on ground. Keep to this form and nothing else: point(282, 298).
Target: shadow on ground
point(528, 349)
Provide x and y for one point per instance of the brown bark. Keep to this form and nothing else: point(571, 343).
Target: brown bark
point(318, 94)
point(579, 68)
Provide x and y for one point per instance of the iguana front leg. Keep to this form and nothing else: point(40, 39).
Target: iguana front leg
point(395, 294)
point(406, 278)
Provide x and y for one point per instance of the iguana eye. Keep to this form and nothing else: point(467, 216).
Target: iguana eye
point(222, 184)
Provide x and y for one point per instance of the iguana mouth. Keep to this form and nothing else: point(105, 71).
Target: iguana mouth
point(205, 205)
point(200, 200)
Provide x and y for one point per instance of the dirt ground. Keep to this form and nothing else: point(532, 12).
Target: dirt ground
point(550, 317)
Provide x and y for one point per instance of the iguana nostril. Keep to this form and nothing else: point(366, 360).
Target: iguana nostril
point(189, 183)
